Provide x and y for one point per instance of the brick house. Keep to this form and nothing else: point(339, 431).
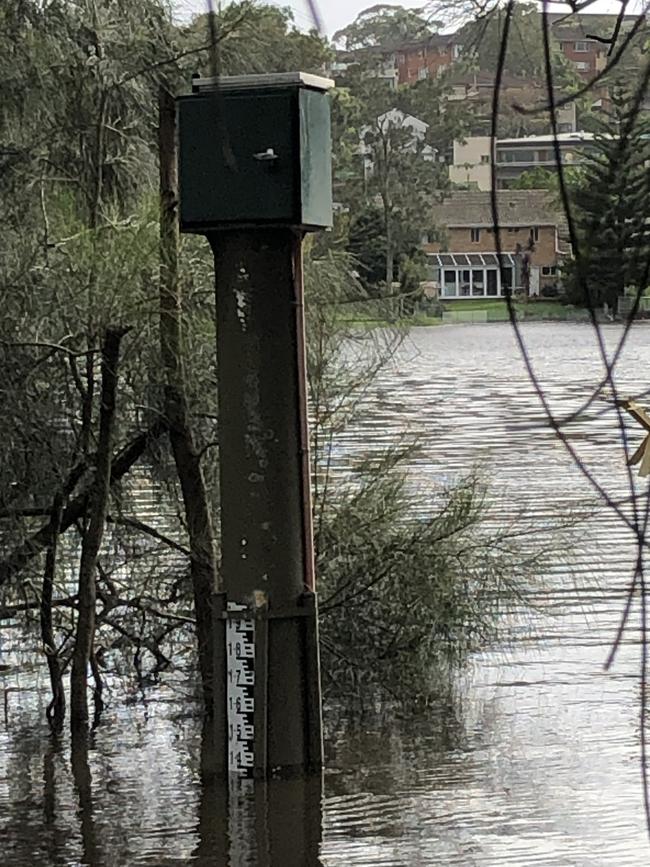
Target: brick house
point(426, 58)
point(588, 56)
point(465, 264)
point(479, 85)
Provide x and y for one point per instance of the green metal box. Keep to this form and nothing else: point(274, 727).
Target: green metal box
point(255, 150)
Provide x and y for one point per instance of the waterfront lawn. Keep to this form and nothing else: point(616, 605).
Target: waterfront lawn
point(497, 309)
point(377, 312)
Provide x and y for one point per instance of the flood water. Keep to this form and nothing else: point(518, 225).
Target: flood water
point(534, 762)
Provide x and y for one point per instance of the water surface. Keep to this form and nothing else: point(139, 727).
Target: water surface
point(535, 759)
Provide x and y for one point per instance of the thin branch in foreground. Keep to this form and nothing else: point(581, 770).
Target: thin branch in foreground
point(148, 530)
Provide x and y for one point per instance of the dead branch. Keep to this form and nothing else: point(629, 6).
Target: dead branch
point(24, 553)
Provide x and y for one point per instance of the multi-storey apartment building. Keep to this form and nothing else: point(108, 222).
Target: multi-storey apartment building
point(514, 156)
point(588, 56)
point(426, 58)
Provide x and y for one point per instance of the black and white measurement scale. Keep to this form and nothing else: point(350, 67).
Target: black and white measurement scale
point(240, 668)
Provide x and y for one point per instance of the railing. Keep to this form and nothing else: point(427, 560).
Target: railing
point(513, 164)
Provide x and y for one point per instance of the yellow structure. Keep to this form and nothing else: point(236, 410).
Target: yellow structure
point(642, 454)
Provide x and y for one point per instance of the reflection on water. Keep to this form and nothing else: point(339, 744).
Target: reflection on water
point(532, 760)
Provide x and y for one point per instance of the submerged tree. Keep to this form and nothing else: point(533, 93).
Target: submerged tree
point(108, 483)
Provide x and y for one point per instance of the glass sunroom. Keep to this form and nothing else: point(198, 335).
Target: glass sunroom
point(473, 275)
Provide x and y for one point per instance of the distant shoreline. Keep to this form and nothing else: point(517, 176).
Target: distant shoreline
point(482, 311)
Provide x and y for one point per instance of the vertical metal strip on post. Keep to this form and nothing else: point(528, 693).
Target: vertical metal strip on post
point(301, 378)
point(313, 705)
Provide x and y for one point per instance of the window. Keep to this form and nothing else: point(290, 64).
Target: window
point(518, 156)
point(485, 159)
point(423, 72)
point(581, 47)
point(549, 270)
point(449, 285)
point(512, 230)
point(534, 233)
point(475, 234)
point(478, 285)
point(582, 65)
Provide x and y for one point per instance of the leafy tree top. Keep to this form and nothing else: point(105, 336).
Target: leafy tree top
point(386, 26)
point(611, 203)
point(257, 38)
point(481, 39)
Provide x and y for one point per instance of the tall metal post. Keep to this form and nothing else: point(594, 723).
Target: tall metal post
point(267, 550)
point(255, 174)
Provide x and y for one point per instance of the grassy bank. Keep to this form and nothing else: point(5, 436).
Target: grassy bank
point(496, 310)
point(474, 310)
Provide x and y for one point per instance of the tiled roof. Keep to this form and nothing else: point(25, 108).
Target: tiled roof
point(469, 260)
point(576, 35)
point(432, 41)
point(484, 78)
point(515, 208)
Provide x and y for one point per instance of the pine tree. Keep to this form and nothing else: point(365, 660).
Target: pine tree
point(611, 206)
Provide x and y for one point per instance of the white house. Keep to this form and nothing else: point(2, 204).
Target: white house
point(396, 120)
point(472, 163)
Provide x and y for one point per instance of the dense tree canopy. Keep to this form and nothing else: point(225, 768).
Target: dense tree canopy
point(386, 25)
point(256, 37)
point(481, 40)
point(611, 203)
point(81, 262)
point(381, 163)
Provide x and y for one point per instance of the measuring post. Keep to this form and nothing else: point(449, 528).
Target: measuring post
point(255, 175)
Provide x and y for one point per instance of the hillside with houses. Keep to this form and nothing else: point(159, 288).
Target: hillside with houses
point(416, 154)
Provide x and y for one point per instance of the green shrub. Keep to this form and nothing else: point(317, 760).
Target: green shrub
point(406, 591)
point(406, 598)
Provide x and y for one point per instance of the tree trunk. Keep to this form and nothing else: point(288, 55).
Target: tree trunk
point(389, 262)
point(92, 540)
point(188, 466)
point(56, 708)
point(389, 246)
